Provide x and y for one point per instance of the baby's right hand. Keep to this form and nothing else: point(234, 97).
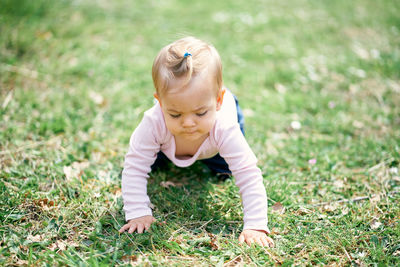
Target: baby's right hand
point(138, 224)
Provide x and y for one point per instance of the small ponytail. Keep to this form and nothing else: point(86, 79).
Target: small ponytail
point(183, 60)
point(180, 64)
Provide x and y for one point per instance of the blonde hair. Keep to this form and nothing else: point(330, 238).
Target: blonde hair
point(184, 59)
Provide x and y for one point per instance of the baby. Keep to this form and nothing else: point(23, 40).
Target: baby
point(195, 118)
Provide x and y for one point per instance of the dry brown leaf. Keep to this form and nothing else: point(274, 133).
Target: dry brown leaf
point(213, 241)
point(330, 207)
point(303, 211)
point(97, 98)
point(338, 184)
point(22, 262)
point(69, 172)
point(75, 170)
point(299, 245)
point(280, 88)
point(7, 100)
point(345, 210)
point(375, 198)
point(167, 184)
point(44, 203)
point(80, 165)
point(375, 224)
point(35, 238)
point(129, 258)
point(275, 231)
point(278, 208)
point(235, 262)
point(62, 245)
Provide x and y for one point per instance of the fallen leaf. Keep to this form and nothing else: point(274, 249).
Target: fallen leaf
point(44, 202)
point(97, 98)
point(44, 35)
point(35, 238)
point(393, 170)
point(52, 247)
point(80, 165)
point(338, 183)
point(303, 211)
point(375, 198)
point(299, 245)
point(22, 262)
point(167, 184)
point(129, 258)
point(280, 88)
point(358, 124)
point(237, 261)
point(329, 207)
point(7, 99)
point(375, 224)
point(296, 125)
point(213, 241)
point(278, 208)
point(75, 170)
point(345, 210)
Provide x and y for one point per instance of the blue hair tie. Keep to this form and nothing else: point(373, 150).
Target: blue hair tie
point(187, 54)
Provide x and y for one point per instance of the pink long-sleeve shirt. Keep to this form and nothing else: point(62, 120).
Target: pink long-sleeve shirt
point(225, 138)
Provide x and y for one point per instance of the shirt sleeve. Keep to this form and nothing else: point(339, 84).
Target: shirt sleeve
point(234, 148)
point(143, 149)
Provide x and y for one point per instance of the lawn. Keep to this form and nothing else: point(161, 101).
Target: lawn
point(319, 83)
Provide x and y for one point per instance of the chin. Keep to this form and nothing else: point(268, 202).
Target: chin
point(192, 137)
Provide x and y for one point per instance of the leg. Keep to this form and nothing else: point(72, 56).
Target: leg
point(217, 164)
point(161, 162)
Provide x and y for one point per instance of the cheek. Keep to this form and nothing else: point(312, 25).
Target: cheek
point(210, 121)
point(171, 124)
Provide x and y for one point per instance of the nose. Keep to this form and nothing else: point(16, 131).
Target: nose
point(188, 122)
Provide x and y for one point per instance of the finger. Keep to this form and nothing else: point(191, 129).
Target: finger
point(123, 228)
point(249, 241)
point(241, 238)
point(132, 228)
point(259, 241)
point(270, 242)
point(264, 241)
point(147, 226)
point(140, 228)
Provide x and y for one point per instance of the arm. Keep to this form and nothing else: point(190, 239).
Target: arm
point(143, 149)
point(234, 148)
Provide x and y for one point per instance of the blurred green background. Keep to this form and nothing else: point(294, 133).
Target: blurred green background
point(319, 83)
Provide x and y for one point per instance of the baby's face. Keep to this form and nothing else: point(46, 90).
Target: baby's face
point(190, 112)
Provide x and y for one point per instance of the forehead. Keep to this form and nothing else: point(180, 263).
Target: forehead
point(198, 93)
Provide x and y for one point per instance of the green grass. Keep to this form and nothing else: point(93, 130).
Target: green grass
point(75, 79)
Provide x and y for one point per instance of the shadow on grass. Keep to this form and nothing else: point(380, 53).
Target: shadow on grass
point(190, 204)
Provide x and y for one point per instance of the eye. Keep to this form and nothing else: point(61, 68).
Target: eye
point(175, 115)
point(201, 114)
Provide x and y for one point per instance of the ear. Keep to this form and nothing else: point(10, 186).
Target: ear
point(220, 98)
point(158, 98)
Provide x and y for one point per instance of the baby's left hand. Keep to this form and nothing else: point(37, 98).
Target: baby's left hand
point(255, 236)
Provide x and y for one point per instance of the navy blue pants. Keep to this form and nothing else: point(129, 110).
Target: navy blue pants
point(216, 164)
